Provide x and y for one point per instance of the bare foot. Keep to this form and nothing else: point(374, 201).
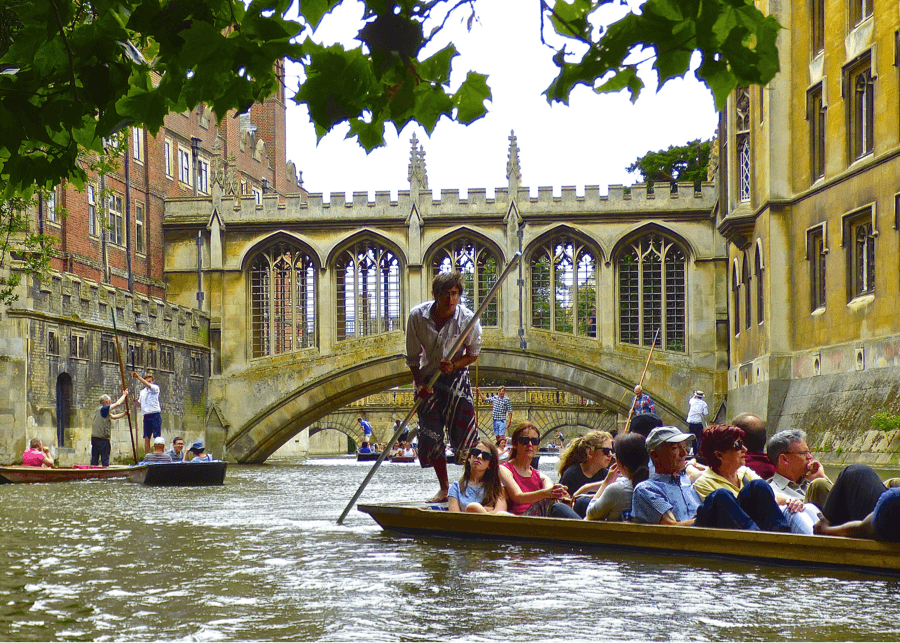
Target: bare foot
point(440, 496)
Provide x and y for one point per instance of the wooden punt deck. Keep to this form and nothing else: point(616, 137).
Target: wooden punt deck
point(63, 474)
point(417, 520)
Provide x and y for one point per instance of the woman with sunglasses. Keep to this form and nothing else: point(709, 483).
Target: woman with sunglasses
point(613, 499)
point(583, 466)
point(723, 447)
point(479, 489)
point(528, 491)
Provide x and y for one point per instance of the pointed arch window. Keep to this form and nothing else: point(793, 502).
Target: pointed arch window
point(760, 293)
point(736, 295)
point(368, 290)
point(282, 300)
point(745, 285)
point(742, 141)
point(564, 287)
point(479, 267)
point(652, 293)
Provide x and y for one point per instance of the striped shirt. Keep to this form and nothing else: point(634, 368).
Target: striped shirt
point(502, 407)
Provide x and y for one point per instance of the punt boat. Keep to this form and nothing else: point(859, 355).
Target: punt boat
point(367, 457)
point(179, 474)
point(403, 458)
point(61, 474)
point(417, 519)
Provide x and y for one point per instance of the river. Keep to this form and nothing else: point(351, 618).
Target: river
point(262, 558)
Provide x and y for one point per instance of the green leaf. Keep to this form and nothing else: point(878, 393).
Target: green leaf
point(469, 98)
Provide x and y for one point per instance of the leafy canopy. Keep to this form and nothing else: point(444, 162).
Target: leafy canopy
point(688, 162)
point(73, 72)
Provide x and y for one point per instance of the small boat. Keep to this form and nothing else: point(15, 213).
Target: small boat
point(367, 457)
point(403, 458)
point(61, 474)
point(548, 451)
point(179, 474)
point(422, 520)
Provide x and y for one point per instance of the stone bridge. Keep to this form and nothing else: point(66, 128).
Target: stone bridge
point(308, 299)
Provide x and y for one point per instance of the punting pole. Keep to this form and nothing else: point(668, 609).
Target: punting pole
point(641, 382)
point(124, 387)
point(456, 346)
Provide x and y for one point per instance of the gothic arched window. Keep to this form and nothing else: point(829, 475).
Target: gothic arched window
point(760, 293)
point(652, 293)
point(736, 294)
point(480, 270)
point(745, 284)
point(368, 290)
point(564, 287)
point(282, 300)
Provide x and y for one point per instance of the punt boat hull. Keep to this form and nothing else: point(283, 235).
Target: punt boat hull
point(418, 520)
point(179, 474)
point(366, 457)
point(64, 474)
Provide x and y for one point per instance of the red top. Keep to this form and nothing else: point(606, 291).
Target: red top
point(532, 483)
point(760, 464)
point(33, 458)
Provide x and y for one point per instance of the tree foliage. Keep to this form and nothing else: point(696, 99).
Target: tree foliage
point(688, 162)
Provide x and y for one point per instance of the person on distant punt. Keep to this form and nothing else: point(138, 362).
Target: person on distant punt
point(367, 429)
point(479, 489)
point(797, 475)
point(432, 329)
point(364, 448)
point(159, 451)
point(697, 410)
point(503, 447)
point(177, 450)
point(642, 403)
point(101, 428)
point(667, 497)
point(882, 523)
point(37, 455)
point(501, 409)
point(200, 454)
point(406, 451)
point(724, 450)
point(755, 441)
point(613, 499)
point(583, 467)
point(148, 400)
point(528, 491)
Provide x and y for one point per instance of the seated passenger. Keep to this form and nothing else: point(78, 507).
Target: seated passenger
point(37, 455)
point(200, 454)
point(364, 448)
point(528, 491)
point(854, 496)
point(883, 523)
point(613, 499)
point(755, 440)
point(503, 447)
point(479, 489)
point(177, 450)
point(159, 452)
point(797, 474)
point(583, 467)
point(724, 451)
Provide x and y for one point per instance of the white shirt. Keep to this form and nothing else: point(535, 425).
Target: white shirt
point(149, 399)
point(426, 345)
point(698, 410)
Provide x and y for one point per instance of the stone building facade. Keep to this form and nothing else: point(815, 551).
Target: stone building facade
point(809, 206)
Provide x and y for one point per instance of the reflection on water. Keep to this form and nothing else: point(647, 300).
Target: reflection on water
point(262, 558)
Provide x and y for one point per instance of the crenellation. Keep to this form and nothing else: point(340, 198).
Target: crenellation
point(639, 192)
point(449, 198)
point(545, 195)
point(616, 193)
point(477, 197)
point(569, 195)
point(592, 193)
point(361, 200)
point(383, 199)
point(337, 200)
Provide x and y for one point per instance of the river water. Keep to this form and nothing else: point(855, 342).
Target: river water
point(262, 558)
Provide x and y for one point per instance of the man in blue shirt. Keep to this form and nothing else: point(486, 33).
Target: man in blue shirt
point(667, 497)
point(367, 429)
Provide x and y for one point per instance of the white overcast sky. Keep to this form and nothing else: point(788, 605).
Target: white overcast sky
point(588, 142)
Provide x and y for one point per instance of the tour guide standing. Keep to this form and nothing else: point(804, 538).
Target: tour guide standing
point(433, 328)
point(101, 429)
point(149, 403)
point(501, 411)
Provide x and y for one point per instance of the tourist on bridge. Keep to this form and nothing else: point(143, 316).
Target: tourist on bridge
point(432, 329)
point(367, 429)
point(101, 429)
point(696, 412)
point(501, 411)
point(37, 455)
point(642, 402)
point(149, 403)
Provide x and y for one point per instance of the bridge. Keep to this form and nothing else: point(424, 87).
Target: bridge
point(308, 299)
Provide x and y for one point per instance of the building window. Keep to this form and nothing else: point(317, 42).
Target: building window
point(53, 342)
point(116, 226)
point(92, 211)
point(860, 10)
point(745, 286)
point(479, 268)
point(816, 257)
point(283, 301)
point(108, 350)
point(150, 355)
point(817, 25)
point(139, 227)
point(196, 364)
point(167, 157)
point(135, 355)
point(652, 293)
point(742, 141)
point(137, 144)
point(184, 166)
point(736, 298)
point(368, 290)
point(816, 117)
point(203, 176)
point(50, 206)
point(859, 239)
point(78, 346)
point(760, 291)
point(257, 195)
point(564, 287)
point(861, 110)
point(167, 358)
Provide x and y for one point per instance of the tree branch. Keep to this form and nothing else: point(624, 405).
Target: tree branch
point(62, 34)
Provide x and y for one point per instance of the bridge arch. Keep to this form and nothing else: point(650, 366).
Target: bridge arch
point(281, 236)
point(649, 228)
point(564, 230)
point(360, 236)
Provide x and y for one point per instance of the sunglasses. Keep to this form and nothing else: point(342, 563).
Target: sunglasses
point(523, 441)
point(738, 445)
point(478, 453)
point(606, 450)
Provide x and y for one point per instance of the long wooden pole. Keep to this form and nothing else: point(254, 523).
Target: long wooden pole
point(124, 387)
point(456, 347)
point(641, 382)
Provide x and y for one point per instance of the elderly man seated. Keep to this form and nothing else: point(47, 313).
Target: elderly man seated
point(667, 497)
point(797, 474)
point(159, 452)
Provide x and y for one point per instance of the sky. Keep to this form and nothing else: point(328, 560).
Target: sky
point(588, 142)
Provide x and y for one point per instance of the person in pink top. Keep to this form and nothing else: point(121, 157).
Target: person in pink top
point(37, 455)
point(529, 491)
